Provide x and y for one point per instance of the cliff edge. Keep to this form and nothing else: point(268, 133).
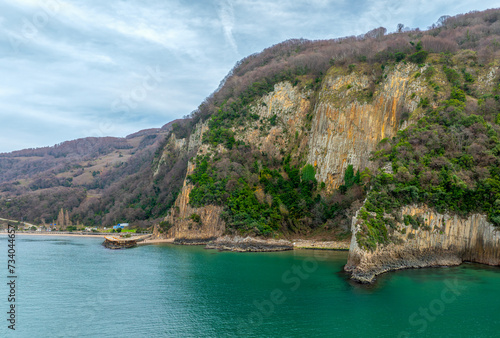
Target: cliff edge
point(440, 240)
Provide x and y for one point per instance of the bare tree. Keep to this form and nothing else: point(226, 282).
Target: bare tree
point(376, 33)
point(442, 20)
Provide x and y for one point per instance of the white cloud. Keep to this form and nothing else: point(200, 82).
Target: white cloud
point(226, 16)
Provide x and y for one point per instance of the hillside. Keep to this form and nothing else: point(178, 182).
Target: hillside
point(85, 176)
point(296, 141)
point(292, 153)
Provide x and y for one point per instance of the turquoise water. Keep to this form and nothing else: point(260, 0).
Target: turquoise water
point(73, 287)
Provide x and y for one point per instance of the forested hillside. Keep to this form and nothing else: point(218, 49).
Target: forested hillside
point(100, 180)
point(447, 122)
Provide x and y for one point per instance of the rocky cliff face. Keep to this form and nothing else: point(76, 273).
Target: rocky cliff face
point(349, 120)
point(441, 240)
point(343, 127)
point(185, 228)
point(290, 106)
point(339, 124)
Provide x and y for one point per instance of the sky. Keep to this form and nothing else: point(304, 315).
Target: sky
point(78, 68)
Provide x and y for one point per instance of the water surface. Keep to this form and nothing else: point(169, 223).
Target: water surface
point(72, 286)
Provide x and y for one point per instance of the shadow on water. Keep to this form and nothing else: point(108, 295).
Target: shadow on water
point(55, 241)
point(41, 240)
point(68, 243)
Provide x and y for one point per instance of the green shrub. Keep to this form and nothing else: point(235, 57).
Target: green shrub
point(418, 57)
point(429, 72)
point(399, 56)
point(195, 218)
point(424, 102)
point(458, 94)
point(272, 120)
point(164, 226)
point(467, 76)
point(452, 76)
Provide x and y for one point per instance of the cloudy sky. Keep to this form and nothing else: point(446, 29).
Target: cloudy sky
point(78, 68)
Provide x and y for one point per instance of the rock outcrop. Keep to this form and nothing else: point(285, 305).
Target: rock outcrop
point(349, 120)
point(442, 240)
point(339, 130)
point(209, 226)
point(249, 244)
point(289, 105)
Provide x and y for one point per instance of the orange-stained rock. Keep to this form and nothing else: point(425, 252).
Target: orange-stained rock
point(345, 131)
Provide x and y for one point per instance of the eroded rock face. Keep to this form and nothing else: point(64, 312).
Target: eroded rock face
point(184, 228)
point(342, 131)
point(343, 127)
point(289, 106)
point(345, 130)
point(442, 240)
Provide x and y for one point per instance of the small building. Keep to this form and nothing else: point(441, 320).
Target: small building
point(120, 226)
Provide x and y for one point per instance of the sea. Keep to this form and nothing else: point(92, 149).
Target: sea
point(74, 287)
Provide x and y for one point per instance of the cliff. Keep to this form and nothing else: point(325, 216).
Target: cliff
point(440, 240)
point(340, 129)
point(209, 225)
point(185, 229)
point(288, 105)
point(339, 123)
point(351, 118)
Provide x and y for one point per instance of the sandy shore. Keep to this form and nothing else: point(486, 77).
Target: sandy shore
point(56, 234)
point(321, 245)
point(156, 241)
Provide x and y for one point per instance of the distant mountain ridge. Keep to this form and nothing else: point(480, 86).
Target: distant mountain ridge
point(68, 174)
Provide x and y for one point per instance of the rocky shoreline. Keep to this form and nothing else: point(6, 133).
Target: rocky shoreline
point(249, 244)
point(366, 270)
point(442, 240)
point(193, 241)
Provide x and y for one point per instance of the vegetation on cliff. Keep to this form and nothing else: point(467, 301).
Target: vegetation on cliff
point(448, 159)
point(265, 194)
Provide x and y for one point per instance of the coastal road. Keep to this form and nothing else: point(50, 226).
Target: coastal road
point(25, 223)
